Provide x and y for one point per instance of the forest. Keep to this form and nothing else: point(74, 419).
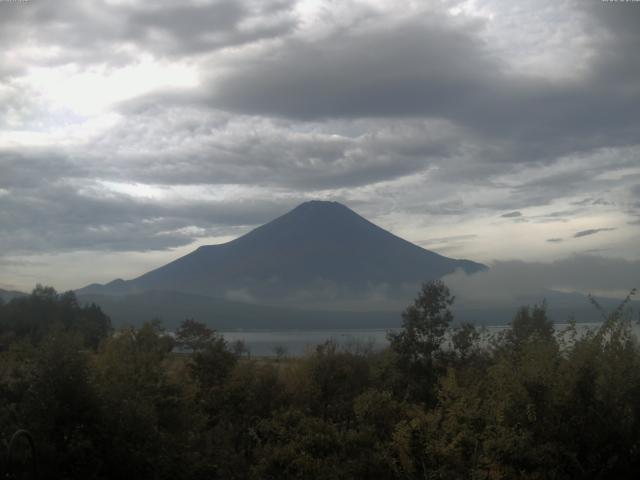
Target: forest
point(445, 400)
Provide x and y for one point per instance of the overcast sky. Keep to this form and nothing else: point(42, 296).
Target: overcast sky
point(132, 132)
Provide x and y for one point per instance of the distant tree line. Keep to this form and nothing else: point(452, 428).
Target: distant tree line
point(443, 401)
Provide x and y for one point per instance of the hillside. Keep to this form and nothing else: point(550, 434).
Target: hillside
point(6, 295)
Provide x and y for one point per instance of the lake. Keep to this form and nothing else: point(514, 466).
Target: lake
point(263, 343)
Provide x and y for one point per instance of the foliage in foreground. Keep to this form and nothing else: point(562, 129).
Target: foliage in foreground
point(441, 402)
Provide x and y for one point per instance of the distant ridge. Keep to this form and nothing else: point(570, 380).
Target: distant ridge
point(319, 251)
point(7, 295)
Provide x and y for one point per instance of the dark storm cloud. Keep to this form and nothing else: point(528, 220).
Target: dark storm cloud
point(555, 240)
point(511, 215)
point(617, 27)
point(379, 100)
point(192, 29)
point(63, 217)
point(165, 29)
point(553, 184)
point(403, 70)
point(171, 146)
point(591, 231)
point(53, 202)
point(305, 165)
point(218, 148)
point(592, 201)
point(399, 70)
point(564, 178)
point(37, 167)
point(385, 68)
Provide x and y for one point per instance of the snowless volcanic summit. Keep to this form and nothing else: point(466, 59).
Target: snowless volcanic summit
point(318, 251)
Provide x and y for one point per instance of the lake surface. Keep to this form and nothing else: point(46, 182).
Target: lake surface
point(264, 343)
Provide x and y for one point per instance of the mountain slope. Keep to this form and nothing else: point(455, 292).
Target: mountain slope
point(317, 250)
point(7, 295)
point(173, 307)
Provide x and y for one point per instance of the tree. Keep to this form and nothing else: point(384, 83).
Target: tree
point(416, 345)
point(60, 407)
point(464, 339)
point(146, 428)
point(33, 317)
point(193, 335)
point(530, 324)
point(280, 352)
point(239, 347)
point(333, 380)
point(211, 366)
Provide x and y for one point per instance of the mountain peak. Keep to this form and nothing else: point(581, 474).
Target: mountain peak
point(317, 206)
point(311, 222)
point(319, 251)
point(321, 204)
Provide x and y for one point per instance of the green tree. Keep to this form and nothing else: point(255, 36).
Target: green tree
point(194, 335)
point(33, 317)
point(417, 344)
point(530, 323)
point(147, 429)
point(464, 340)
point(252, 393)
point(61, 407)
point(212, 364)
point(298, 446)
point(328, 382)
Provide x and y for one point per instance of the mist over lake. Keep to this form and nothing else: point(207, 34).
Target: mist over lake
point(266, 343)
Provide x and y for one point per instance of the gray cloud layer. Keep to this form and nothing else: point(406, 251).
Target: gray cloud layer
point(592, 231)
point(61, 218)
point(403, 70)
point(509, 280)
point(119, 31)
point(401, 114)
point(511, 215)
